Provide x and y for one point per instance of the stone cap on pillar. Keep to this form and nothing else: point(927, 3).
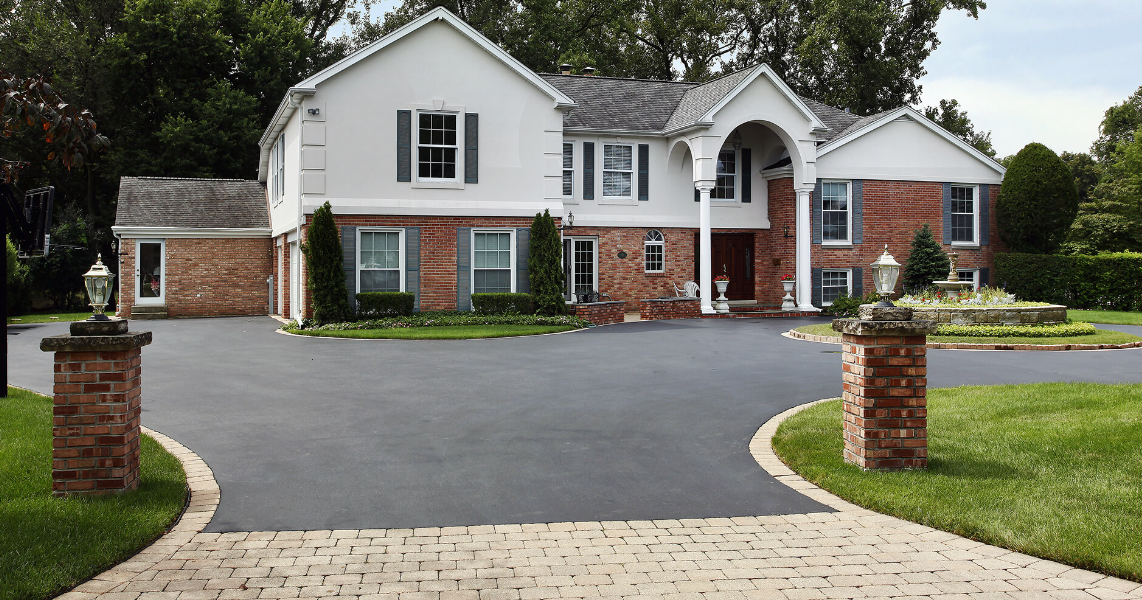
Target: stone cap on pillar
point(886, 328)
point(109, 326)
point(95, 343)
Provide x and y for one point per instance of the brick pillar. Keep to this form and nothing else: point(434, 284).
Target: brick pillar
point(95, 423)
point(885, 372)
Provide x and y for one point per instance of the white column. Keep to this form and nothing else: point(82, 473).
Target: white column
point(804, 237)
point(705, 249)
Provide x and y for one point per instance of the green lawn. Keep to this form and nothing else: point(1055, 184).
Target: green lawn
point(48, 545)
point(46, 317)
point(448, 332)
point(1053, 470)
point(1110, 317)
point(1103, 336)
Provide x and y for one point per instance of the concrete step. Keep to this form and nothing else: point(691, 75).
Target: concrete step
point(147, 312)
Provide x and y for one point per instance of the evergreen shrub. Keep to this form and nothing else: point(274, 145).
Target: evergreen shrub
point(1030, 331)
point(501, 304)
point(384, 304)
point(1104, 281)
point(545, 266)
point(926, 262)
point(326, 278)
point(1037, 202)
point(845, 306)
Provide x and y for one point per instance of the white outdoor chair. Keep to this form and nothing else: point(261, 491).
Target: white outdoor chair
point(689, 290)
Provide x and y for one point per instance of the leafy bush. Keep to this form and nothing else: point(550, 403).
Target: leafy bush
point(323, 257)
point(984, 296)
point(1032, 331)
point(845, 306)
point(926, 261)
point(1037, 202)
point(439, 319)
point(545, 266)
point(499, 304)
point(1105, 281)
point(382, 304)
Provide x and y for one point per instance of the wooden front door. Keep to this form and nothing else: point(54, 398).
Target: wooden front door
point(733, 257)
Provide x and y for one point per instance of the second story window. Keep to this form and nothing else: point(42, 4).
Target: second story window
point(568, 169)
point(836, 217)
point(727, 176)
point(618, 171)
point(436, 147)
point(277, 168)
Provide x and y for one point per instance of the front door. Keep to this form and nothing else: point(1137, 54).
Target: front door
point(733, 257)
point(150, 272)
point(580, 266)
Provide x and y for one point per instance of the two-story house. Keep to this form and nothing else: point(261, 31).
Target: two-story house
point(436, 149)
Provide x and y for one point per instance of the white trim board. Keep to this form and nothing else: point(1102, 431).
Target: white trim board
point(191, 232)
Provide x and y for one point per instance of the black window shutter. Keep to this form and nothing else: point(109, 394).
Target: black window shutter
point(947, 214)
point(747, 169)
point(404, 145)
point(522, 247)
point(817, 216)
point(463, 268)
point(349, 263)
point(471, 148)
point(858, 283)
point(412, 264)
point(588, 170)
point(697, 195)
point(644, 171)
point(984, 277)
point(816, 276)
point(984, 210)
point(858, 211)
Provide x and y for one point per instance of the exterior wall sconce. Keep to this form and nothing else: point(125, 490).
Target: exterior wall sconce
point(787, 232)
point(313, 111)
point(569, 221)
point(736, 140)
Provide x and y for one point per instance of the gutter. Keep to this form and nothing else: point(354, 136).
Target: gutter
point(289, 105)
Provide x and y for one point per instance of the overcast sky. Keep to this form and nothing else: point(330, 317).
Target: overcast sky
point(1038, 70)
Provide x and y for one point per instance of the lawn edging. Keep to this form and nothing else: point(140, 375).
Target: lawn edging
point(825, 339)
point(761, 447)
point(202, 501)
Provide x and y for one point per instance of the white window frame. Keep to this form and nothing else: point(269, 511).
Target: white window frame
point(848, 285)
point(400, 248)
point(734, 175)
point(277, 168)
point(459, 158)
point(472, 256)
point(975, 214)
point(849, 203)
point(660, 243)
point(633, 171)
point(568, 169)
point(974, 276)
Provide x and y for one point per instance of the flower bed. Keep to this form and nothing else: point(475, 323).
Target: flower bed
point(441, 319)
point(1031, 331)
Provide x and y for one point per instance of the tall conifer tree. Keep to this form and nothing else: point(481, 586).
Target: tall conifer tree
point(326, 277)
point(926, 261)
point(545, 266)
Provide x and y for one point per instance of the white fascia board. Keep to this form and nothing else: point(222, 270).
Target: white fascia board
point(911, 113)
point(778, 173)
point(191, 232)
point(436, 208)
point(763, 69)
point(442, 14)
point(688, 128)
point(282, 116)
point(615, 132)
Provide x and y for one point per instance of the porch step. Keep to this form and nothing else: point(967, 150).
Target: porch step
point(148, 312)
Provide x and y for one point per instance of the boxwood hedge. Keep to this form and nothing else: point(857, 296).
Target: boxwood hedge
point(1105, 281)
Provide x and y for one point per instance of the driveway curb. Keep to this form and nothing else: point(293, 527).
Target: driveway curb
point(825, 339)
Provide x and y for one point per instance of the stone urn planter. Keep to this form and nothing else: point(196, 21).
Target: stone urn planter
point(722, 305)
point(787, 302)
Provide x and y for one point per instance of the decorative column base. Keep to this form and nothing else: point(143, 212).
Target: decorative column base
point(885, 372)
point(98, 370)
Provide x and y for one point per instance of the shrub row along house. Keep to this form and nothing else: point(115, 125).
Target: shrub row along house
point(436, 149)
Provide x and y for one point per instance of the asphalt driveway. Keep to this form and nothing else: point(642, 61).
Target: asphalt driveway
point(642, 420)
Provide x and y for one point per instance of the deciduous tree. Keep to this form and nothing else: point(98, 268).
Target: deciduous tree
point(949, 116)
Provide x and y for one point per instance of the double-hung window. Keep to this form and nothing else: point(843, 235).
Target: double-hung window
point(654, 247)
point(492, 260)
point(568, 169)
point(379, 263)
point(277, 167)
point(836, 216)
point(969, 276)
point(436, 147)
point(834, 283)
point(618, 171)
point(726, 176)
point(965, 215)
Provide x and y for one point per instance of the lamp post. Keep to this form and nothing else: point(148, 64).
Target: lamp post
point(885, 270)
point(98, 284)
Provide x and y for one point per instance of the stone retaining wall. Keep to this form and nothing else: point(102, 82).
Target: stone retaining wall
point(600, 313)
point(991, 315)
point(669, 308)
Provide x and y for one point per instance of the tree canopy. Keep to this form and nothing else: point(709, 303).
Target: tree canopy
point(949, 116)
point(1037, 201)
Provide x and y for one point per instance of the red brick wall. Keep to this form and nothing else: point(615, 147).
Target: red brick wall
point(600, 313)
point(773, 246)
point(652, 309)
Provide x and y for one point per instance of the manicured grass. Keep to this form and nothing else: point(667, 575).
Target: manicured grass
point(1102, 336)
point(1111, 317)
point(48, 545)
point(448, 332)
point(1049, 469)
point(46, 317)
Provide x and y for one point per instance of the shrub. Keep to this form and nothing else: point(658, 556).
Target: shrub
point(845, 306)
point(323, 259)
point(545, 266)
point(1031, 331)
point(442, 319)
point(384, 304)
point(926, 261)
point(1105, 281)
point(1037, 202)
point(500, 304)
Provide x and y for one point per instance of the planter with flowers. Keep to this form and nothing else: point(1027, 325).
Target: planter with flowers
point(722, 282)
point(788, 282)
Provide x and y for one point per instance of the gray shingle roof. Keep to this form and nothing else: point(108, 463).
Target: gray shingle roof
point(626, 104)
point(700, 99)
point(835, 119)
point(192, 203)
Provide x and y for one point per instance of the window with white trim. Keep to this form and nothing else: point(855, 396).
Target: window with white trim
point(436, 147)
point(969, 275)
point(835, 282)
point(727, 175)
point(618, 171)
point(965, 214)
point(493, 262)
point(277, 168)
point(568, 169)
point(654, 251)
point(380, 260)
point(836, 218)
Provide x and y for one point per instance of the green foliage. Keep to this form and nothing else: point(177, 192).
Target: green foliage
point(58, 277)
point(926, 261)
point(1023, 331)
point(956, 121)
point(1037, 202)
point(545, 266)
point(441, 319)
point(845, 306)
point(1111, 221)
point(383, 304)
point(326, 277)
point(1105, 281)
point(16, 284)
point(1119, 124)
point(449, 332)
point(1086, 172)
point(501, 304)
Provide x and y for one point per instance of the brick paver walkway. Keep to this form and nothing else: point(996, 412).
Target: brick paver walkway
point(852, 553)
